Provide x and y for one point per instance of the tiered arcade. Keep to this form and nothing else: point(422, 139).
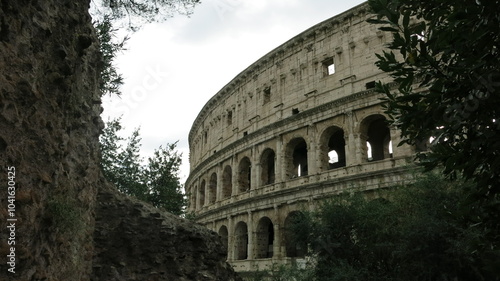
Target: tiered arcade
point(299, 125)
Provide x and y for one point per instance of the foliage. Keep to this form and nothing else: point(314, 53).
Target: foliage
point(138, 12)
point(162, 179)
point(157, 182)
point(111, 80)
point(425, 231)
point(449, 48)
point(108, 16)
point(65, 215)
point(283, 273)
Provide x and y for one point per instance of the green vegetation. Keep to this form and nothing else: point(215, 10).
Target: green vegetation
point(283, 273)
point(425, 231)
point(449, 48)
point(65, 215)
point(135, 13)
point(156, 182)
point(111, 15)
point(111, 80)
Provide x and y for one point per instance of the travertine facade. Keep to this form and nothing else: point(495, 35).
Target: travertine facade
point(300, 124)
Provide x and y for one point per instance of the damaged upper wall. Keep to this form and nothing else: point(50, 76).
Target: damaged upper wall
point(331, 60)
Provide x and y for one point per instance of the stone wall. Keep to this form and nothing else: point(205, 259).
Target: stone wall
point(49, 127)
point(135, 241)
point(49, 124)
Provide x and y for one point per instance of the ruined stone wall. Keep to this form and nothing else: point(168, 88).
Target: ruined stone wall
point(135, 241)
point(59, 218)
point(49, 124)
point(301, 124)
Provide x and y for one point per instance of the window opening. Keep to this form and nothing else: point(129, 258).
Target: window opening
point(241, 241)
point(336, 150)
point(212, 188)
point(229, 118)
point(379, 140)
point(267, 95)
point(223, 233)
point(244, 177)
point(227, 184)
point(265, 239)
point(297, 165)
point(333, 157)
point(370, 85)
point(201, 195)
point(267, 164)
point(328, 67)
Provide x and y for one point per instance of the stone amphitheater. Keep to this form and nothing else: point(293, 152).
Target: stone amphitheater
point(301, 124)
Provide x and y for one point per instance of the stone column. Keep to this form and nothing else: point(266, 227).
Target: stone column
point(253, 170)
point(350, 141)
point(277, 235)
point(230, 239)
point(280, 161)
point(234, 177)
point(350, 149)
point(361, 149)
point(404, 150)
point(312, 150)
point(256, 175)
point(251, 235)
point(205, 196)
point(218, 188)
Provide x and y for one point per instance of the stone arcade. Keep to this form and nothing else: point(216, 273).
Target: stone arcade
point(301, 124)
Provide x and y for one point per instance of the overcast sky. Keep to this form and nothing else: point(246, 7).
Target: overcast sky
point(172, 69)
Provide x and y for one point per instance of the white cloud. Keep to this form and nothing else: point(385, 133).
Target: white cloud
point(172, 69)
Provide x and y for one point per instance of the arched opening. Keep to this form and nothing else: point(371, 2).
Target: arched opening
point(227, 183)
point(294, 248)
point(224, 234)
point(332, 146)
point(378, 138)
point(201, 194)
point(212, 188)
point(241, 241)
point(265, 239)
point(268, 167)
point(244, 174)
point(296, 158)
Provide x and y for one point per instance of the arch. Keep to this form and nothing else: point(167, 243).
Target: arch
point(376, 135)
point(212, 188)
point(296, 158)
point(264, 239)
point(293, 248)
point(241, 241)
point(201, 195)
point(332, 148)
point(227, 182)
point(268, 169)
point(224, 234)
point(244, 175)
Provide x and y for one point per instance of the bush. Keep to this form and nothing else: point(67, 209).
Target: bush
point(424, 231)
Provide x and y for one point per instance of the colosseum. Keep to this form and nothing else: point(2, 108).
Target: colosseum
point(301, 124)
